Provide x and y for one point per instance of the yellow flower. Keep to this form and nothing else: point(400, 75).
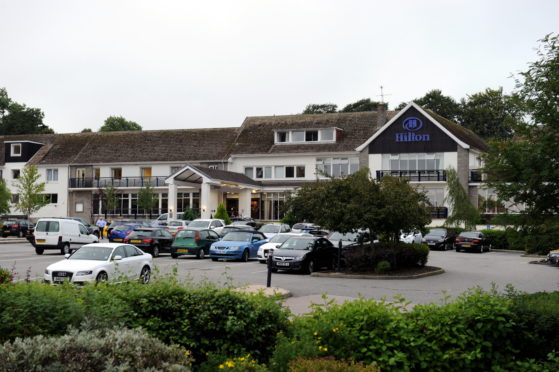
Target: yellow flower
point(315, 333)
point(242, 359)
point(335, 330)
point(230, 364)
point(221, 366)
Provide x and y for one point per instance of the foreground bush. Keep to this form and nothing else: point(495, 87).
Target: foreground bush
point(329, 365)
point(394, 255)
point(5, 276)
point(85, 351)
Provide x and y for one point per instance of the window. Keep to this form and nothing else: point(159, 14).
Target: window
point(15, 198)
point(279, 172)
point(15, 173)
point(145, 172)
point(116, 173)
point(15, 149)
point(289, 172)
point(51, 198)
point(282, 137)
point(300, 172)
point(259, 172)
point(311, 135)
point(52, 175)
point(337, 167)
point(97, 173)
point(175, 169)
point(297, 136)
point(213, 166)
point(83, 230)
point(327, 135)
point(249, 172)
point(413, 162)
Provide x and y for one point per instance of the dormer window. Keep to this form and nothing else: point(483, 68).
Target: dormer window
point(15, 149)
point(306, 136)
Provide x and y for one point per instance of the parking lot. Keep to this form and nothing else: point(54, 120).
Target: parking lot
point(462, 271)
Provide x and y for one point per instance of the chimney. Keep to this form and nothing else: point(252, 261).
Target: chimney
point(381, 114)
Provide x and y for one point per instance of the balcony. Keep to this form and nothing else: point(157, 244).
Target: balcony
point(415, 175)
point(88, 183)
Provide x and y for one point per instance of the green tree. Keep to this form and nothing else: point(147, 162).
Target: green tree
point(462, 209)
point(436, 101)
point(524, 170)
point(364, 104)
point(147, 199)
point(118, 123)
point(222, 214)
point(491, 114)
point(189, 214)
point(16, 118)
point(327, 108)
point(86, 130)
point(110, 199)
point(30, 191)
point(5, 197)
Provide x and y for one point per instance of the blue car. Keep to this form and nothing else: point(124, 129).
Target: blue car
point(238, 245)
point(119, 232)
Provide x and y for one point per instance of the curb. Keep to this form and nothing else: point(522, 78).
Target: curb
point(373, 276)
point(521, 253)
point(12, 240)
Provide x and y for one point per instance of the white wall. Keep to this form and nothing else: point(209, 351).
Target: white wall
point(59, 187)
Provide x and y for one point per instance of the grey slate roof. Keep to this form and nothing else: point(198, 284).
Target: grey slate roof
point(227, 176)
point(462, 133)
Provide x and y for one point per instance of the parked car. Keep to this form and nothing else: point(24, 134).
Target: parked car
point(120, 232)
point(273, 243)
point(440, 238)
point(92, 229)
point(193, 242)
point(99, 263)
point(117, 222)
point(151, 239)
point(60, 233)
point(161, 220)
point(30, 235)
point(303, 227)
point(553, 257)
point(411, 237)
point(16, 227)
point(229, 228)
point(305, 254)
point(348, 238)
point(214, 224)
point(272, 229)
point(471, 241)
point(243, 221)
point(175, 226)
point(238, 245)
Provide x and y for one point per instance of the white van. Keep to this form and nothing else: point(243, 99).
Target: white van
point(58, 233)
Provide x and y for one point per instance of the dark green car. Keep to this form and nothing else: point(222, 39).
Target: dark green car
point(193, 243)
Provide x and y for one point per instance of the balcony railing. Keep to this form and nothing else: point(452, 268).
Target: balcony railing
point(415, 175)
point(77, 183)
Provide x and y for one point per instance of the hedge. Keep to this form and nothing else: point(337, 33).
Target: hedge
point(393, 256)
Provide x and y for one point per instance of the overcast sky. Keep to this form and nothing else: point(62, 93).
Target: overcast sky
point(196, 64)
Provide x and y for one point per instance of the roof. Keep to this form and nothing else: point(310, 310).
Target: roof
point(194, 174)
point(256, 133)
point(462, 133)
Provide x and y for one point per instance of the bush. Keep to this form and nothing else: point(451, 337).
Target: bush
point(117, 349)
point(397, 255)
point(6, 276)
point(240, 364)
point(329, 365)
point(497, 238)
point(538, 239)
point(382, 267)
point(189, 214)
point(222, 214)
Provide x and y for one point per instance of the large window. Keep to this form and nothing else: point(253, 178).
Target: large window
point(276, 172)
point(52, 175)
point(306, 135)
point(413, 162)
point(51, 198)
point(337, 167)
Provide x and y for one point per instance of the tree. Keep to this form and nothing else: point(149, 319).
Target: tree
point(222, 214)
point(327, 108)
point(524, 169)
point(364, 104)
point(30, 191)
point(462, 210)
point(16, 118)
point(189, 214)
point(86, 130)
point(110, 199)
point(359, 202)
point(490, 114)
point(436, 101)
point(147, 199)
point(5, 197)
point(118, 123)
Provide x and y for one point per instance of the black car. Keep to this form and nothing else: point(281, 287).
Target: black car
point(305, 254)
point(16, 227)
point(440, 238)
point(151, 240)
point(471, 241)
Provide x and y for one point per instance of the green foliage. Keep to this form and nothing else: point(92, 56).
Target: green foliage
point(147, 198)
point(289, 218)
point(239, 364)
point(189, 214)
point(539, 239)
point(497, 238)
point(364, 104)
point(16, 118)
point(397, 255)
point(462, 209)
point(329, 365)
point(30, 191)
point(437, 102)
point(357, 201)
point(111, 350)
point(327, 108)
point(382, 267)
point(110, 198)
point(118, 123)
point(5, 197)
point(6, 276)
point(86, 130)
point(222, 214)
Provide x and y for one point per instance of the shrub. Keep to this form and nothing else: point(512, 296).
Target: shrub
point(329, 365)
point(539, 239)
point(398, 255)
point(382, 267)
point(497, 238)
point(5, 276)
point(222, 214)
point(117, 349)
point(189, 214)
point(239, 364)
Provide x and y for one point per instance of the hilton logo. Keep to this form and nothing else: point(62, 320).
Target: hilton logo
point(412, 124)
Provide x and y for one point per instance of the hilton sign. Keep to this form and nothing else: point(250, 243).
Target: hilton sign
point(412, 125)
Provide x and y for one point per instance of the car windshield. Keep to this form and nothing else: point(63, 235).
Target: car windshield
point(469, 234)
point(269, 228)
point(94, 253)
point(140, 234)
point(340, 236)
point(298, 244)
point(280, 238)
point(185, 234)
point(198, 224)
point(437, 232)
point(237, 236)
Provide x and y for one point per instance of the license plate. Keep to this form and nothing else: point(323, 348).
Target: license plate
point(430, 243)
point(135, 241)
point(282, 263)
point(40, 240)
point(220, 251)
point(60, 278)
point(466, 245)
point(182, 250)
point(117, 240)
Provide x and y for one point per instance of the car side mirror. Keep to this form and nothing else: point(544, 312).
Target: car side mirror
point(117, 258)
point(67, 255)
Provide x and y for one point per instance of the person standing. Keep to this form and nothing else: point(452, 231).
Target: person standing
point(101, 223)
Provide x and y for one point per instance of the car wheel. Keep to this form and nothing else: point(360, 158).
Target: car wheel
point(244, 257)
point(310, 267)
point(174, 255)
point(145, 275)
point(201, 253)
point(102, 277)
point(39, 251)
point(155, 251)
point(65, 249)
point(214, 259)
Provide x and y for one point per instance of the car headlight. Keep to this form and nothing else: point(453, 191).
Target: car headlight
point(82, 273)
